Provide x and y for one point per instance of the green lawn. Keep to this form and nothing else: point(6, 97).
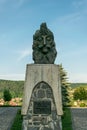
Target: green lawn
point(66, 120)
point(17, 125)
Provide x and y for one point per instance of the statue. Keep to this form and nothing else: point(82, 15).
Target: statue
point(44, 51)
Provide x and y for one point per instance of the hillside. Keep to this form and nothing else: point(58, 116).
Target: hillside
point(16, 87)
point(75, 85)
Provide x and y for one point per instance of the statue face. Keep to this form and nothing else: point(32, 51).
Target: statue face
point(43, 46)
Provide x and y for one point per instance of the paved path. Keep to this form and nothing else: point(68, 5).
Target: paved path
point(79, 118)
point(7, 115)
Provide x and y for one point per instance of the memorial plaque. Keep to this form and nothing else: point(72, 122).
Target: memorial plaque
point(42, 107)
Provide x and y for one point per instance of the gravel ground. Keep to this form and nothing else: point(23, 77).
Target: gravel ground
point(79, 118)
point(7, 115)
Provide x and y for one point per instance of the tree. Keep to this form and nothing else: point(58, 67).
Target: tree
point(7, 95)
point(80, 93)
point(64, 86)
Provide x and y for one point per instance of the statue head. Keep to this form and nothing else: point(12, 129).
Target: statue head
point(44, 51)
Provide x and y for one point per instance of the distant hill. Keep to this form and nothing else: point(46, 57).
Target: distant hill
point(17, 87)
point(75, 85)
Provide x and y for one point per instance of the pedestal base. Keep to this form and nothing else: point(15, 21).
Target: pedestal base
point(42, 105)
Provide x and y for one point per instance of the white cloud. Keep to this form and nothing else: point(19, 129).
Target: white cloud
point(23, 54)
point(18, 3)
point(76, 15)
point(12, 3)
point(13, 77)
point(73, 78)
point(2, 1)
point(79, 3)
point(78, 78)
point(2, 4)
point(68, 18)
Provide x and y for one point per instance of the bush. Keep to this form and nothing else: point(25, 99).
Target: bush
point(7, 95)
point(83, 105)
point(80, 93)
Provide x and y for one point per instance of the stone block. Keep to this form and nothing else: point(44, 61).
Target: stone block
point(36, 73)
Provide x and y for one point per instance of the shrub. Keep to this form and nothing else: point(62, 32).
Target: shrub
point(7, 95)
point(80, 93)
point(83, 105)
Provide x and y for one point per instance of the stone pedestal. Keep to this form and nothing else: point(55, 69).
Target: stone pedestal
point(42, 105)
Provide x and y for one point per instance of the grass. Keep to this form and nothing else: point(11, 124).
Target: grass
point(17, 124)
point(66, 119)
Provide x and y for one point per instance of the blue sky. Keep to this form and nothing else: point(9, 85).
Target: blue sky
point(19, 19)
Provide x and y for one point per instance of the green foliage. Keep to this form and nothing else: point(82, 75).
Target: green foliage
point(80, 93)
point(64, 86)
point(17, 124)
point(66, 120)
point(7, 95)
point(83, 105)
point(76, 85)
point(15, 87)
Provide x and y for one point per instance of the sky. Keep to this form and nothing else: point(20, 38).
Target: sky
point(19, 19)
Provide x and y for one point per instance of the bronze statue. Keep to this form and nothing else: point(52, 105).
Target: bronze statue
point(44, 51)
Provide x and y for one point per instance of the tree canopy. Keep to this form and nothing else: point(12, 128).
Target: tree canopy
point(80, 93)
